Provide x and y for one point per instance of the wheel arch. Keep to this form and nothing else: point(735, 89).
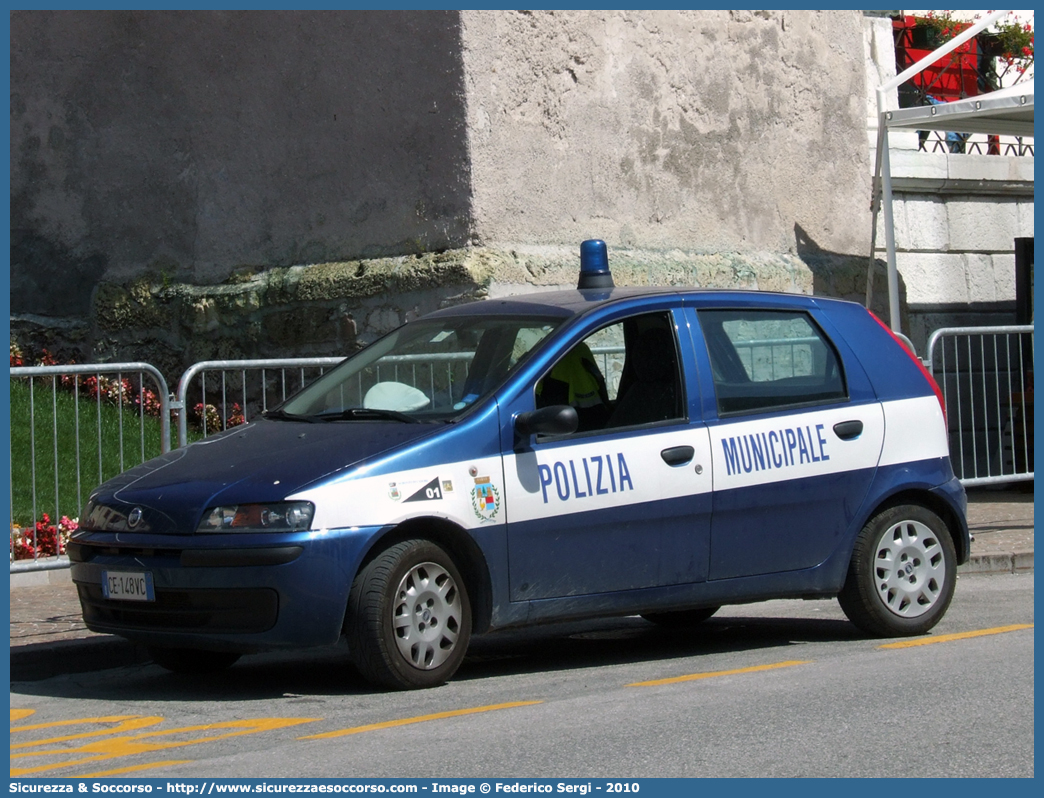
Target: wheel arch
point(932, 501)
point(466, 554)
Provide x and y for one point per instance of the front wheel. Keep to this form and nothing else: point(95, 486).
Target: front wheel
point(902, 573)
point(409, 618)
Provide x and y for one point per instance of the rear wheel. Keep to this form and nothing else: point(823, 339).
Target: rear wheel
point(192, 661)
point(681, 618)
point(902, 573)
point(409, 617)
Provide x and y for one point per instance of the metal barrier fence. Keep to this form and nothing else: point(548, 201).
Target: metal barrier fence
point(239, 390)
point(986, 375)
point(777, 358)
point(66, 418)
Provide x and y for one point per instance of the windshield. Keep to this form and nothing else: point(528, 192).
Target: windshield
point(427, 370)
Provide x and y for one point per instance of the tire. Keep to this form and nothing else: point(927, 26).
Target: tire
point(681, 618)
point(409, 617)
point(902, 573)
point(192, 661)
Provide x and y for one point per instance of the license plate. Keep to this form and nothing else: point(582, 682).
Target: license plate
point(128, 585)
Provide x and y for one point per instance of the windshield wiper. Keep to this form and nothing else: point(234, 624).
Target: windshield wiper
point(367, 414)
point(282, 415)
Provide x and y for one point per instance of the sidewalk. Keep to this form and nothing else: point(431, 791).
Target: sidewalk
point(1001, 523)
point(48, 636)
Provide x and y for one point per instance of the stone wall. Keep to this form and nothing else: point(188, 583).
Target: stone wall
point(956, 220)
point(331, 309)
point(327, 309)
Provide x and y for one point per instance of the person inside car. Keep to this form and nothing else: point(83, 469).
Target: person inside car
point(576, 381)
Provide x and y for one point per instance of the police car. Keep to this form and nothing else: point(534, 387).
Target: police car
point(594, 452)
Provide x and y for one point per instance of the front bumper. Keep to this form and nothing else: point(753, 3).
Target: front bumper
point(223, 592)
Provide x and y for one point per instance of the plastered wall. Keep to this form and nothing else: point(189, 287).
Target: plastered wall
point(700, 130)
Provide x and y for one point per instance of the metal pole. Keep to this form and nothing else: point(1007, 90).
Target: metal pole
point(889, 221)
point(875, 210)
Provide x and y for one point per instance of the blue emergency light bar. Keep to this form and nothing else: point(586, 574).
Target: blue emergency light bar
point(594, 265)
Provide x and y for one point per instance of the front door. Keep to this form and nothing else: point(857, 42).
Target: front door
point(624, 503)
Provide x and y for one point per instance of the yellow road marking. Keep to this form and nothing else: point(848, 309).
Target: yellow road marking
point(125, 723)
point(924, 641)
point(132, 769)
point(134, 744)
point(710, 674)
point(18, 714)
point(388, 724)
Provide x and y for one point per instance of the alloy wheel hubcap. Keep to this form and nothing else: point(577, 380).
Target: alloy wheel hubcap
point(909, 569)
point(427, 615)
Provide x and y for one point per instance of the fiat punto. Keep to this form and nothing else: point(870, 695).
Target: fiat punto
point(585, 453)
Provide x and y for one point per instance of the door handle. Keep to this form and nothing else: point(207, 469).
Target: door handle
point(848, 430)
point(677, 455)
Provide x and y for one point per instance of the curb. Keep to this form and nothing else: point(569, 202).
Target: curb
point(35, 577)
point(1018, 562)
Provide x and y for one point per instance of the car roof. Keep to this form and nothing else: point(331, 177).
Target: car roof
point(566, 303)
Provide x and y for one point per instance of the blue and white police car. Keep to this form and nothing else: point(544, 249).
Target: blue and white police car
point(586, 453)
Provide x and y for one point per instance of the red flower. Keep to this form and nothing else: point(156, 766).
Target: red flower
point(44, 540)
point(47, 359)
point(237, 416)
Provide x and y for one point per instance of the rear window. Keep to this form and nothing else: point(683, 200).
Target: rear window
point(764, 360)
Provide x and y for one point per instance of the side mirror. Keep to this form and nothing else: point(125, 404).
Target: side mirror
point(553, 420)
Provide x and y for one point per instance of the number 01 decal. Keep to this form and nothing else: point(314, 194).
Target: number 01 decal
point(430, 492)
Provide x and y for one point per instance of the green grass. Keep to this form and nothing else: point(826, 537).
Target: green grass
point(75, 453)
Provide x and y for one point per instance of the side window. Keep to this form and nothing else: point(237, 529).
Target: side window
point(526, 339)
point(625, 374)
point(768, 359)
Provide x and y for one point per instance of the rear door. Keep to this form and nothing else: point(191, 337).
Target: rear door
point(795, 433)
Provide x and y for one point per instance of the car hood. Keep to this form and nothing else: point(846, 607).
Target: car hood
point(265, 460)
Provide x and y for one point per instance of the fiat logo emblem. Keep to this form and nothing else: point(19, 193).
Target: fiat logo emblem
point(134, 518)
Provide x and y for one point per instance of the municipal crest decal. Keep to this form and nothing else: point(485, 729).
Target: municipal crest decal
point(485, 499)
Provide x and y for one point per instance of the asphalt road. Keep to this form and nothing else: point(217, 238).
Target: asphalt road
point(784, 688)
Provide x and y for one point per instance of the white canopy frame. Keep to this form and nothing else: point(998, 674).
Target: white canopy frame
point(1007, 111)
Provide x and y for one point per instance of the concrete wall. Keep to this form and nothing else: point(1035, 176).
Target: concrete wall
point(709, 131)
point(193, 143)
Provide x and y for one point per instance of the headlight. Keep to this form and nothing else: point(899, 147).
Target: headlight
point(274, 517)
